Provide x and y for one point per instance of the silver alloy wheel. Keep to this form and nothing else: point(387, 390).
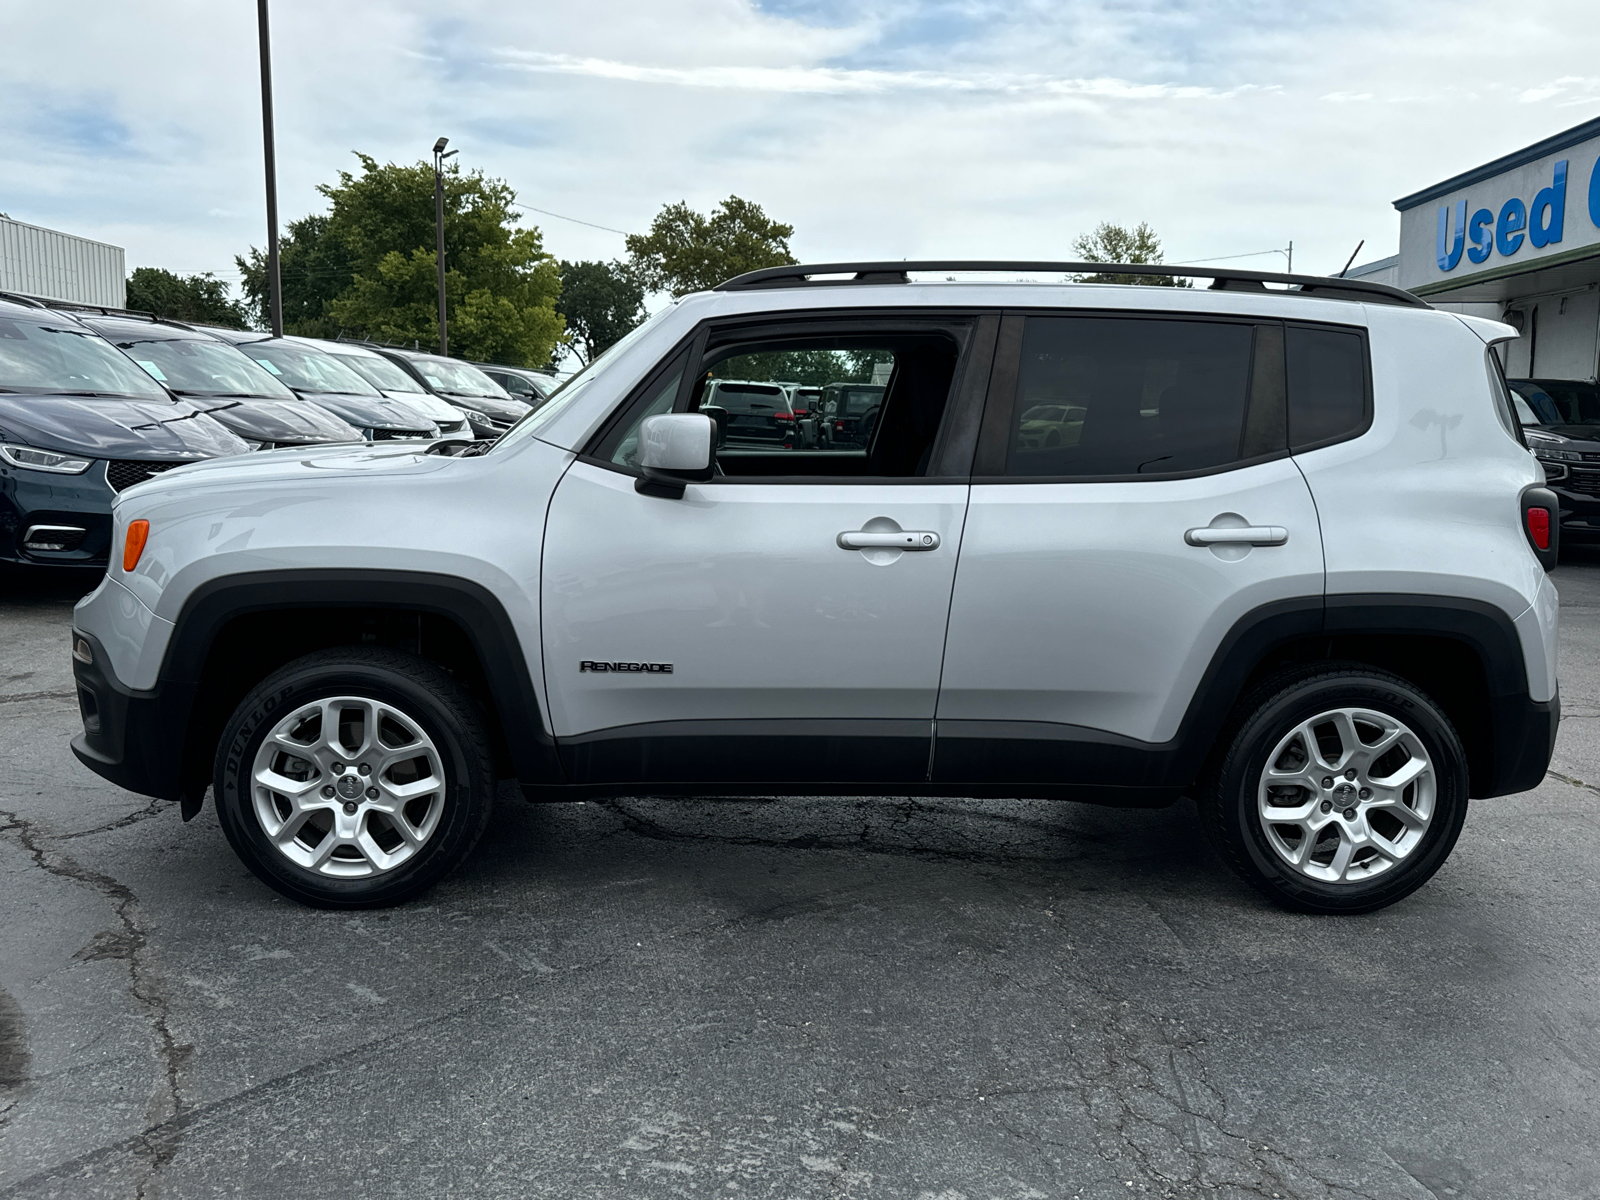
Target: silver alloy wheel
point(1347, 795)
point(348, 787)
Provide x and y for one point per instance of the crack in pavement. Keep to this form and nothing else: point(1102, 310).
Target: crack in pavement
point(20, 697)
point(158, 1144)
point(154, 809)
point(1574, 782)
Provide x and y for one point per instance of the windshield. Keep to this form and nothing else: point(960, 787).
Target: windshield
point(561, 399)
point(193, 365)
point(381, 373)
point(308, 370)
point(50, 357)
point(1575, 403)
point(458, 378)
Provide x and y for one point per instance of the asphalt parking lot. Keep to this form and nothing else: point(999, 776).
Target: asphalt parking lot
point(945, 1001)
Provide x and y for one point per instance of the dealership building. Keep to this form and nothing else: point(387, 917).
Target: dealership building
point(60, 266)
point(1517, 239)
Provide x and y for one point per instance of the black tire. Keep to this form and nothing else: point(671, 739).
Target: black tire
point(1227, 798)
point(429, 697)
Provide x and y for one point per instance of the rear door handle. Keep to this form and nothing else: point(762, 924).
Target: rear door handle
point(900, 539)
point(1247, 535)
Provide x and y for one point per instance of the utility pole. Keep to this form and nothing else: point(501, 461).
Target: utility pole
point(269, 153)
point(439, 156)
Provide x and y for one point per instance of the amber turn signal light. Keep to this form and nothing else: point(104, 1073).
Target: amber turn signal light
point(138, 534)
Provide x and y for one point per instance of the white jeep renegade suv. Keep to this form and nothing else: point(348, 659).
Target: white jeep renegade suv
point(1280, 549)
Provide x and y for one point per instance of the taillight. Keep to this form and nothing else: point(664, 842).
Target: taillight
point(133, 547)
point(781, 416)
point(1539, 527)
point(839, 425)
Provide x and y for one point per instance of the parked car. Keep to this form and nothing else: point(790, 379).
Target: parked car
point(851, 411)
point(329, 384)
point(487, 405)
point(230, 387)
point(757, 412)
point(80, 423)
point(1049, 426)
point(521, 383)
point(1311, 595)
point(806, 405)
point(397, 385)
point(1561, 421)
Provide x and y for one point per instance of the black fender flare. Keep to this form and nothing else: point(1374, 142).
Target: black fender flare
point(478, 612)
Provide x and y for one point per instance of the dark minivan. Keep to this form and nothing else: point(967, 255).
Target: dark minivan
point(79, 422)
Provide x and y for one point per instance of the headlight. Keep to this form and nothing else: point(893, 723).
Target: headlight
point(1553, 455)
point(30, 459)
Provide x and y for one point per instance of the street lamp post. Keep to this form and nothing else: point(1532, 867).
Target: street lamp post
point(269, 154)
point(439, 156)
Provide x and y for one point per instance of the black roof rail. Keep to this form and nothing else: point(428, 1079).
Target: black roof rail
point(1223, 278)
point(105, 310)
point(22, 298)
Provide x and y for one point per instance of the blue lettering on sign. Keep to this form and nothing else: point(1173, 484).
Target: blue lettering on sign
point(1540, 224)
point(1480, 237)
point(1449, 253)
point(1508, 230)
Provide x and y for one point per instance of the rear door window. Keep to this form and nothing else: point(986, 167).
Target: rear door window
point(1129, 396)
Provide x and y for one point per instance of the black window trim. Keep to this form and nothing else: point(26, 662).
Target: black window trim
point(954, 445)
point(994, 442)
point(1366, 382)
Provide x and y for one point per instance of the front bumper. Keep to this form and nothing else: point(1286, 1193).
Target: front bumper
point(1580, 512)
point(32, 499)
point(134, 739)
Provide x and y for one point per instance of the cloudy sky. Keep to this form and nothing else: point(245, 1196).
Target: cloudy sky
point(879, 128)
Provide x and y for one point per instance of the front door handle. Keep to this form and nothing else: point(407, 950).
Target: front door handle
point(899, 539)
point(1237, 535)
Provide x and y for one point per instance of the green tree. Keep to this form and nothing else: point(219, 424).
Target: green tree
point(313, 267)
point(201, 298)
point(688, 252)
point(368, 267)
point(601, 301)
point(809, 368)
point(1118, 244)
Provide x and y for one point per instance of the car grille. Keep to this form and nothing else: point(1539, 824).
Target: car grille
point(122, 475)
point(1584, 480)
point(395, 435)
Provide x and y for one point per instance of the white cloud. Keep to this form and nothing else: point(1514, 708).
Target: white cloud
point(901, 128)
point(837, 81)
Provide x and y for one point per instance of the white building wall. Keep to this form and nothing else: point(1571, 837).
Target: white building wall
point(1560, 337)
point(58, 266)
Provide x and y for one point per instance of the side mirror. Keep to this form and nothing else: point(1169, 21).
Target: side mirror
point(720, 416)
point(675, 449)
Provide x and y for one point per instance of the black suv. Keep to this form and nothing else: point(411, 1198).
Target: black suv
point(1561, 423)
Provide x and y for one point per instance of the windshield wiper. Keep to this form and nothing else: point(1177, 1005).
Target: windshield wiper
point(186, 416)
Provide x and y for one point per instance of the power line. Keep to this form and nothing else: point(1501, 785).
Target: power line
point(563, 217)
point(1195, 262)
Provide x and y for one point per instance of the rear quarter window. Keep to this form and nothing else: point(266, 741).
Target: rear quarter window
point(1329, 397)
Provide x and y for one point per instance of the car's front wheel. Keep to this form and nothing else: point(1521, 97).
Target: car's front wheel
point(354, 777)
point(1338, 791)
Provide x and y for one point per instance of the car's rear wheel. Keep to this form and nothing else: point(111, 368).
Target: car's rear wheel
point(1339, 791)
point(354, 778)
